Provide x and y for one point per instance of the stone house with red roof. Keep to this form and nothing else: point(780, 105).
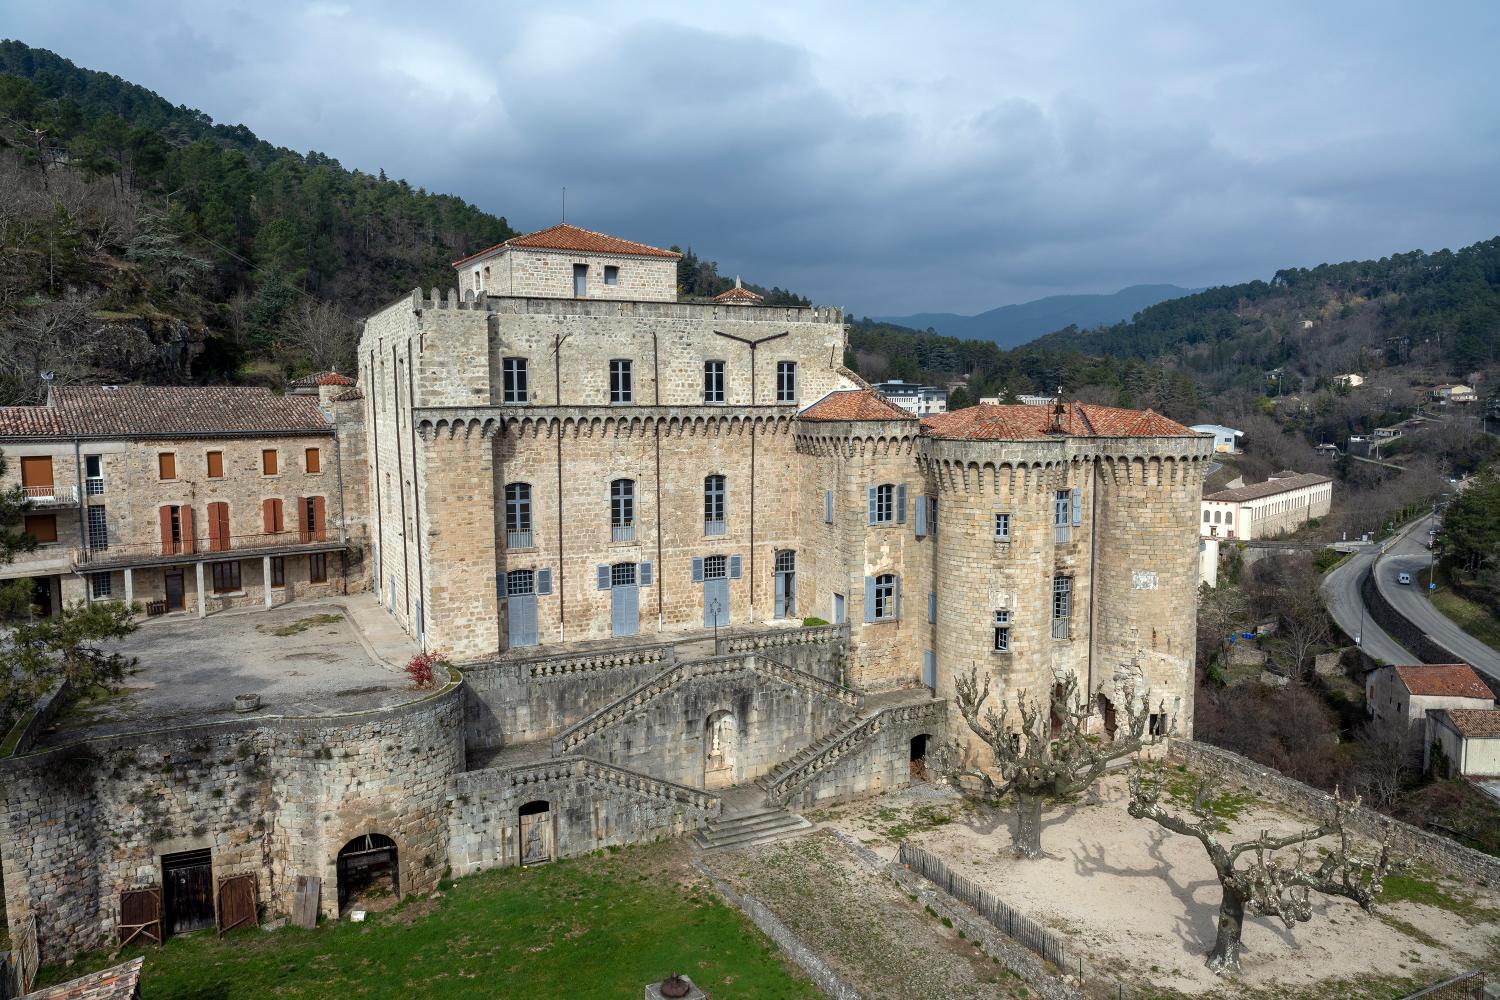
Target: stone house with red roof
point(189, 499)
point(1469, 739)
point(1406, 693)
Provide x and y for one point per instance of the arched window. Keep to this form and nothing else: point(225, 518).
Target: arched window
point(518, 516)
point(713, 505)
point(622, 510)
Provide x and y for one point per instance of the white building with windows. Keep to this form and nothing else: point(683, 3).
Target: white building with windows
point(1226, 439)
point(1282, 503)
point(923, 400)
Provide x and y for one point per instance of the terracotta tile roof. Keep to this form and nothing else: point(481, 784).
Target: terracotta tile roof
point(1444, 680)
point(322, 378)
point(1474, 721)
point(118, 982)
point(565, 237)
point(1021, 422)
point(739, 294)
point(349, 394)
point(854, 404)
point(164, 411)
point(1271, 487)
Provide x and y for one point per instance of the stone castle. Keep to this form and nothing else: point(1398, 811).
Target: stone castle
point(674, 550)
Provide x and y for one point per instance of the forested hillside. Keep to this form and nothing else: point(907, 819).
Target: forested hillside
point(141, 241)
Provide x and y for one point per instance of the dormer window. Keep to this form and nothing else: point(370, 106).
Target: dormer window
point(611, 274)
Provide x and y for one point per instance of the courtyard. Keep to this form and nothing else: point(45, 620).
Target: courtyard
point(1141, 904)
point(304, 659)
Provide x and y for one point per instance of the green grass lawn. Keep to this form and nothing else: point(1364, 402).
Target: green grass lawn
point(596, 928)
point(1472, 617)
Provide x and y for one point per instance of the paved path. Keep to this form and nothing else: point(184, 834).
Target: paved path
point(1341, 588)
point(1409, 555)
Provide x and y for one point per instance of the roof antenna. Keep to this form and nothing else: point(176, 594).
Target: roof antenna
point(565, 204)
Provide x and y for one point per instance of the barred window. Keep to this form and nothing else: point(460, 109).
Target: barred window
point(520, 581)
point(622, 575)
point(1062, 606)
point(99, 585)
point(786, 561)
point(715, 567)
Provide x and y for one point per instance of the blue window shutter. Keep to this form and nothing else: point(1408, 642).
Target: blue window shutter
point(544, 581)
point(645, 574)
point(921, 516)
point(698, 570)
point(828, 506)
point(869, 598)
point(603, 577)
point(872, 504)
point(734, 567)
point(929, 668)
point(901, 503)
point(932, 607)
point(896, 589)
point(1077, 508)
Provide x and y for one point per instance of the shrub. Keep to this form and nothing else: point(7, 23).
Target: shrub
point(422, 668)
point(811, 622)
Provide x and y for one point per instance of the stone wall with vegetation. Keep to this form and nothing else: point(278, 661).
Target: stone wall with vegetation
point(273, 797)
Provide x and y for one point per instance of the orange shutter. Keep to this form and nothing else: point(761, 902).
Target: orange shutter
point(268, 461)
point(215, 465)
point(189, 544)
point(36, 471)
point(267, 517)
point(166, 465)
point(165, 515)
point(319, 527)
point(304, 530)
point(218, 526)
point(314, 460)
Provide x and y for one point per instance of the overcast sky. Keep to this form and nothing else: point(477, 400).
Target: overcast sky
point(890, 158)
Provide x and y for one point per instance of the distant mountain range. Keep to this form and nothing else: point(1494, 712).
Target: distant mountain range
point(1011, 326)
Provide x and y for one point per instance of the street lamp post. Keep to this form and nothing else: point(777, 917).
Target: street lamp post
point(713, 607)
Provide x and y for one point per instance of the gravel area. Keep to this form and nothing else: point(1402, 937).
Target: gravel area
point(860, 922)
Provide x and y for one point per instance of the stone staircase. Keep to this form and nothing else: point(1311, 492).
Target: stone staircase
point(777, 774)
point(753, 826)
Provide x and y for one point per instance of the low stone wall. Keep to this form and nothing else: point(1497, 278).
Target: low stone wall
point(1450, 857)
point(590, 806)
point(30, 726)
point(820, 650)
point(796, 949)
point(874, 760)
point(535, 698)
point(274, 797)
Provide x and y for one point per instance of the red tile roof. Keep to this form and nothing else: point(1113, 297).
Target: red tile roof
point(349, 394)
point(854, 404)
point(1474, 721)
point(565, 237)
point(118, 982)
point(1285, 482)
point(1444, 680)
point(1021, 422)
point(738, 294)
point(97, 411)
point(323, 378)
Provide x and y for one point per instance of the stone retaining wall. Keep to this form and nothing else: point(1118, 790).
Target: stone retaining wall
point(878, 761)
point(1450, 857)
point(1423, 646)
point(274, 797)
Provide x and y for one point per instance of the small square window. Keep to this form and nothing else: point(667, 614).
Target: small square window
point(99, 585)
point(1002, 527)
point(611, 274)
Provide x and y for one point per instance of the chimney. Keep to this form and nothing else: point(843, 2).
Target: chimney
point(1059, 417)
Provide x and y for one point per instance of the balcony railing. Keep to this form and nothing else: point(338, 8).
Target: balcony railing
point(51, 496)
point(715, 527)
point(1060, 533)
point(1060, 628)
point(622, 532)
point(202, 547)
point(519, 540)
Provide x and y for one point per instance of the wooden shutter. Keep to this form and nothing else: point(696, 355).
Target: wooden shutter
point(901, 504)
point(644, 574)
point(267, 517)
point(189, 544)
point(871, 499)
point(920, 521)
point(215, 464)
point(36, 470)
point(218, 525)
point(164, 514)
point(1077, 507)
point(828, 506)
point(929, 669)
point(320, 519)
point(734, 567)
point(896, 593)
point(869, 598)
point(166, 465)
point(544, 581)
point(603, 576)
point(932, 607)
point(268, 461)
point(314, 460)
point(698, 570)
point(304, 530)
point(42, 527)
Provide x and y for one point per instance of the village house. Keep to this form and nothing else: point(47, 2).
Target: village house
point(1469, 739)
point(1226, 439)
point(921, 400)
point(1452, 392)
point(1350, 380)
point(1284, 502)
point(1407, 693)
point(187, 498)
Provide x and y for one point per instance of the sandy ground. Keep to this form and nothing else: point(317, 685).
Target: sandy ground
point(1142, 903)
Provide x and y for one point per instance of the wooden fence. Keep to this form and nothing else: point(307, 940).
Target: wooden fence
point(1008, 920)
point(27, 956)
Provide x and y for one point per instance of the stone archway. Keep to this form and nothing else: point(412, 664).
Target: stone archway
point(368, 873)
point(920, 744)
point(721, 746)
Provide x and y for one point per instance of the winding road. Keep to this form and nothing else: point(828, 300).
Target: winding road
point(1409, 554)
point(1341, 588)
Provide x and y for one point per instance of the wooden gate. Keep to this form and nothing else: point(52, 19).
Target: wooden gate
point(187, 891)
point(28, 957)
point(536, 833)
point(140, 917)
point(237, 903)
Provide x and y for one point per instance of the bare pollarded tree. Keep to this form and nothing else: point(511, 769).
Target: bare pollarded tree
point(1051, 754)
point(1254, 876)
